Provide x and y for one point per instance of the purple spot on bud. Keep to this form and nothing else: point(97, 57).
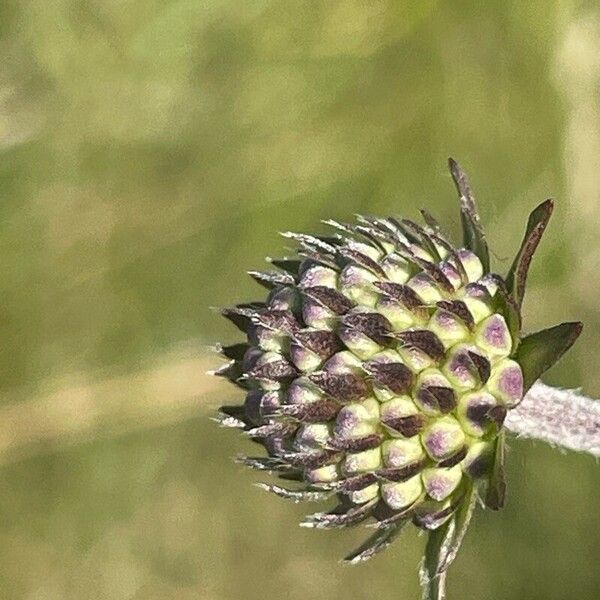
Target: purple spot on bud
point(476, 290)
point(313, 312)
point(439, 487)
point(346, 421)
point(511, 383)
point(496, 333)
point(444, 319)
point(437, 443)
point(444, 438)
point(451, 274)
point(303, 359)
point(461, 366)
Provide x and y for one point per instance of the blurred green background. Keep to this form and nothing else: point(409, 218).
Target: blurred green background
point(150, 151)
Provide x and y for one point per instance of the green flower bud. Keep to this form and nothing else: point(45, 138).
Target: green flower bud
point(402, 494)
point(426, 288)
point(493, 337)
point(479, 301)
point(317, 275)
point(400, 317)
point(343, 362)
point(460, 369)
point(326, 474)
point(439, 483)
point(477, 462)
point(359, 462)
point(312, 436)
point(506, 383)
point(443, 438)
point(357, 420)
point(357, 285)
point(303, 391)
point(401, 452)
point(396, 268)
point(471, 264)
point(434, 394)
point(473, 412)
point(448, 327)
point(365, 494)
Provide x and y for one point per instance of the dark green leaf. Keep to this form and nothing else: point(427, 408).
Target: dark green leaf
point(536, 225)
point(474, 238)
point(539, 351)
point(496, 491)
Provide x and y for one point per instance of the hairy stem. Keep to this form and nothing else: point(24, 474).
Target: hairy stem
point(562, 418)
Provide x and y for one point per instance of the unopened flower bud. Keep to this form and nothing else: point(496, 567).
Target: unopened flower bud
point(443, 438)
point(402, 494)
point(303, 391)
point(365, 494)
point(448, 327)
point(471, 264)
point(318, 275)
point(357, 420)
point(401, 452)
point(429, 392)
point(506, 383)
point(441, 482)
point(356, 284)
point(493, 337)
point(473, 412)
point(326, 474)
point(426, 288)
point(367, 460)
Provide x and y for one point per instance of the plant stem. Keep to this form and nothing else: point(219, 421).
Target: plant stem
point(562, 418)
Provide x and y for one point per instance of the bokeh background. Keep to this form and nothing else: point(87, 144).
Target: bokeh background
point(150, 151)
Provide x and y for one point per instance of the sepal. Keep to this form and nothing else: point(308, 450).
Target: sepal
point(474, 238)
point(539, 351)
point(496, 489)
point(443, 545)
point(376, 543)
point(536, 225)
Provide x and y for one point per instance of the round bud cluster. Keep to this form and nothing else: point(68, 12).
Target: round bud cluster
point(378, 370)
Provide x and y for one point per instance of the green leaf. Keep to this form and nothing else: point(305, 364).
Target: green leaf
point(474, 238)
point(539, 351)
point(496, 491)
point(536, 225)
point(442, 547)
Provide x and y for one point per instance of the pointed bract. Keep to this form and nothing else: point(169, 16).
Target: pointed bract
point(474, 237)
point(536, 225)
point(375, 544)
point(539, 351)
point(496, 492)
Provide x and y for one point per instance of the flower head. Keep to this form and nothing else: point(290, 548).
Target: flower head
point(380, 368)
